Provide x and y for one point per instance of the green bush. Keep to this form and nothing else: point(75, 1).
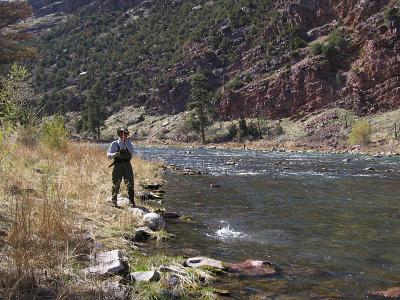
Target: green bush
point(316, 48)
point(54, 134)
point(232, 131)
point(360, 133)
point(297, 43)
point(234, 84)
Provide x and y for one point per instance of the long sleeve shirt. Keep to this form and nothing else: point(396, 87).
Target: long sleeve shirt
point(113, 149)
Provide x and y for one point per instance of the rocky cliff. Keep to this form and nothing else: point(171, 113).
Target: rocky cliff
point(265, 67)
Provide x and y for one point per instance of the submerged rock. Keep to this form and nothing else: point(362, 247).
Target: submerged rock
point(392, 293)
point(256, 268)
point(171, 215)
point(153, 221)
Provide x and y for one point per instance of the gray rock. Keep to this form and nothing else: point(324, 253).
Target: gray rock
point(109, 262)
point(137, 211)
point(153, 221)
point(108, 257)
point(149, 276)
point(114, 290)
point(105, 269)
point(143, 234)
point(201, 261)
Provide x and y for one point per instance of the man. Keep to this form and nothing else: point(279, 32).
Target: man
point(121, 151)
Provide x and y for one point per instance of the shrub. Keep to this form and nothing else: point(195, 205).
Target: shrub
point(234, 84)
point(232, 131)
point(28, 136)
point(54, 134)
point(316, 48)
point(297, 43)
point(360, 133)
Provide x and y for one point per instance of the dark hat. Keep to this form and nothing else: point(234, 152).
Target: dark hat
point(121, 130)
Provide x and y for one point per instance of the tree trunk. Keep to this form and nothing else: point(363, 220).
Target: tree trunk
point(203, 135)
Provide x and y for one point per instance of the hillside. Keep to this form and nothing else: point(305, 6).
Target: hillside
point(271, 58)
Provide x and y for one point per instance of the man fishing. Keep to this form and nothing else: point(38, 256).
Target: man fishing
point(121, 151)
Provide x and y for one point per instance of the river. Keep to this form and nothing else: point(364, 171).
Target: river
point(331, 222)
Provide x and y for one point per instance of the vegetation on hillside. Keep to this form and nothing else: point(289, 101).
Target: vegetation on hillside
point(130, 52)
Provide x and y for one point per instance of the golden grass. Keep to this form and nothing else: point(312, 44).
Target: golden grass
point(49, 199)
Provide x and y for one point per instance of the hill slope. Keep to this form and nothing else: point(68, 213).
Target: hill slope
point(273, 58)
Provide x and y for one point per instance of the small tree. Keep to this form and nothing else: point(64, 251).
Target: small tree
point(94, 113)
point(200, 105)
point(360, 133)
point(15, 97)
point(243, 127)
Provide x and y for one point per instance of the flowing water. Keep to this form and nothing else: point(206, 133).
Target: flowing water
point(330, 224)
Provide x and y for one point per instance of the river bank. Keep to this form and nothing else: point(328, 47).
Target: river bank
point(60, 236)
point(323, 131)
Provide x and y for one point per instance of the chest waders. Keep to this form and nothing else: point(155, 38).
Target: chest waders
point(123, 169)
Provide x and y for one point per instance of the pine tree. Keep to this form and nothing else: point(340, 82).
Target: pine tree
point(94, 114)
point(200, 105)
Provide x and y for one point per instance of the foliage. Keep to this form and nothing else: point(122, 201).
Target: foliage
point(6, 146)
point(332, 47)
point(12, 47)
point(360, 133)
point(391, 13)
point(243, 127)
point(15, 97)
point(201, 106)
point(86, 48)
point(94, 113)
point(234, 84)
point(232, 131)
point(54, 134)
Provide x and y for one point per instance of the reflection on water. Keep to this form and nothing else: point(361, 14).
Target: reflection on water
point(332, 225)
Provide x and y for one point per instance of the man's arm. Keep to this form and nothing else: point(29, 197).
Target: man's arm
point(113, 150)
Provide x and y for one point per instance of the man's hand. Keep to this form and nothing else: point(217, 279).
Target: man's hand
point(117, 154)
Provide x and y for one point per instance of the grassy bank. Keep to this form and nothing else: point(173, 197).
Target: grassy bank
point(55, 212)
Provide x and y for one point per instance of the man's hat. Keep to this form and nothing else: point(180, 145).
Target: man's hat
point(121, 130)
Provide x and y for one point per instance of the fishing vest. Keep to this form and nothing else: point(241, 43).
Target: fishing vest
point(124, 156)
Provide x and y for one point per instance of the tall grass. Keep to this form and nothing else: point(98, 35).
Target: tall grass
point(51, 196)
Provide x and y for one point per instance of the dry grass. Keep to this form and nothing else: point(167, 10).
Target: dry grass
point(49, 199)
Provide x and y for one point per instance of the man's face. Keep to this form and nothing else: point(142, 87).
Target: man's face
point(124, 135)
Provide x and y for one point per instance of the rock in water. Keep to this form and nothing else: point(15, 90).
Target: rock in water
point(392, 293)
point(256, 268)
point(153, 221)
point(200, 261)
point(142, 234)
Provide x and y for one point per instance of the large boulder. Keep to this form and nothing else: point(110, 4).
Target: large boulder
point(105, 263)
point(153, 221)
